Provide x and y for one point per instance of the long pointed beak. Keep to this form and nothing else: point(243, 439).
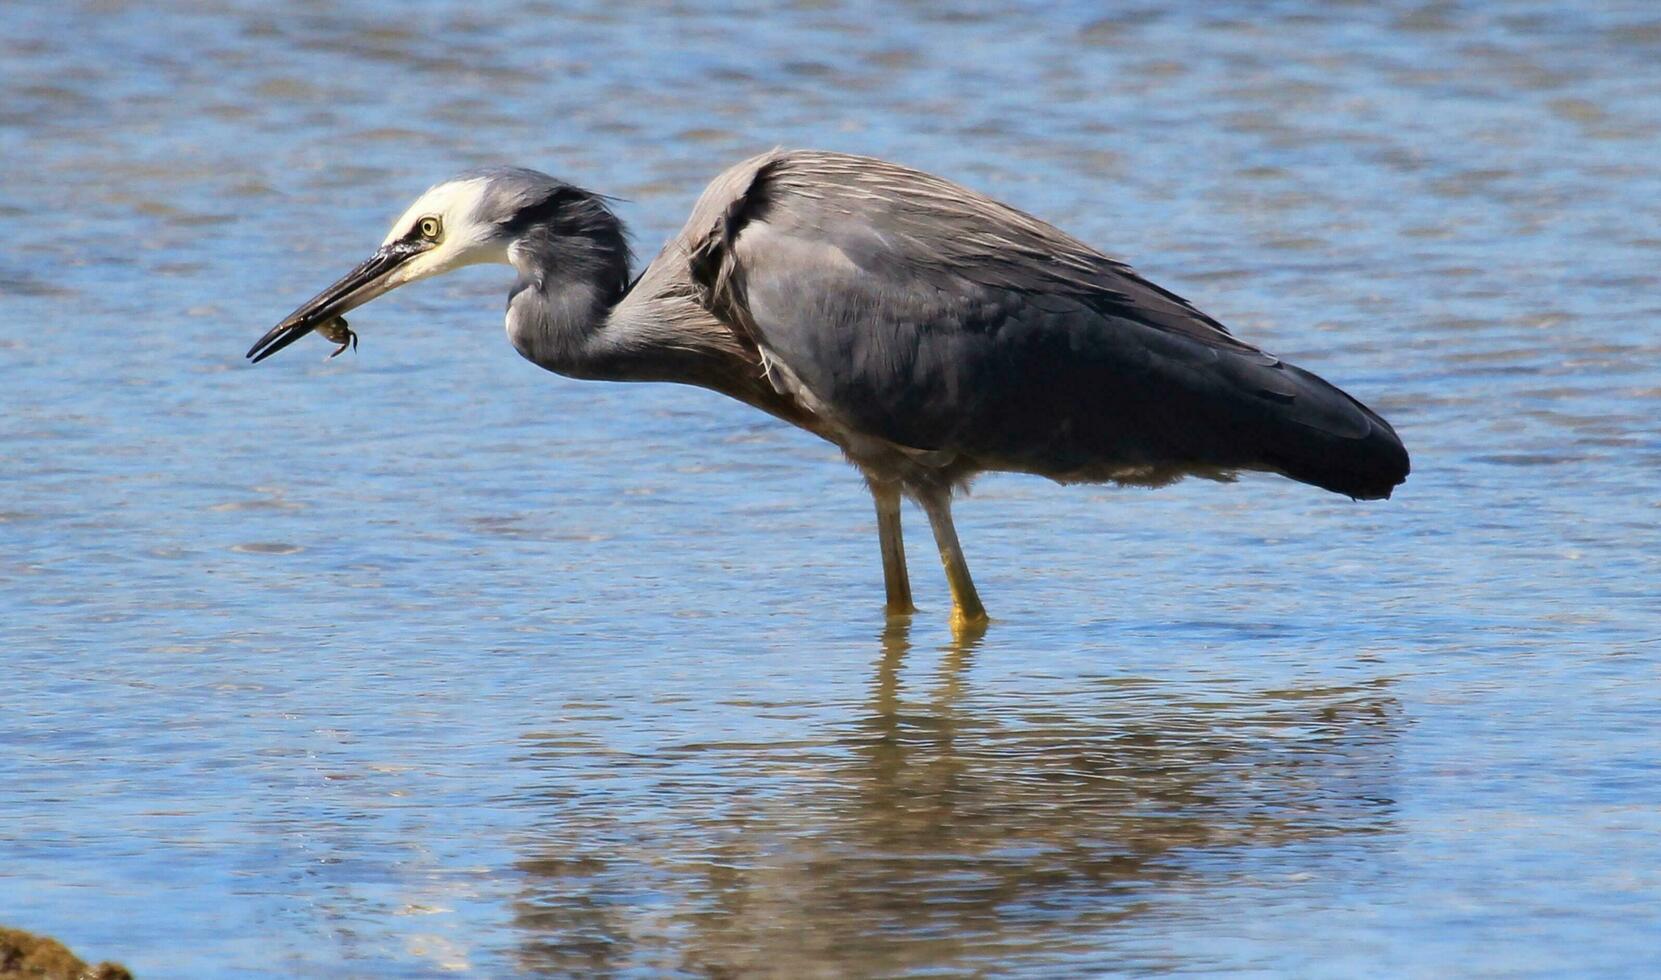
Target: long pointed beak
point(370, 279)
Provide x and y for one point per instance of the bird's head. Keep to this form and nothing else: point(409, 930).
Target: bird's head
point(478, 216)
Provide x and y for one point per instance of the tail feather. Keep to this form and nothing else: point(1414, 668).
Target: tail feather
point(1330, 440)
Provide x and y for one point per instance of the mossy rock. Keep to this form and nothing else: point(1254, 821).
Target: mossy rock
point(25, 956)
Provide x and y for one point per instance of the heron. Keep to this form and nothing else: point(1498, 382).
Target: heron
point(929, 331)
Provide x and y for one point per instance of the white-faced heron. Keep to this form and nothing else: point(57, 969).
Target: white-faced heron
point(929, 331)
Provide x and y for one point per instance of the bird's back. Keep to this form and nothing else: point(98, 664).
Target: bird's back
point(916, 311)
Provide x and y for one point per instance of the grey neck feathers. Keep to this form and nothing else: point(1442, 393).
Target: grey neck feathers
point(575, 312)
point(562, 325)
point(561, 314)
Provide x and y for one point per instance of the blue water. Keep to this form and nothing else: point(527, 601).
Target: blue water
point(421, 660)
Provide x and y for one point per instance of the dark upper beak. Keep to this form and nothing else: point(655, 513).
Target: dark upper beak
point(354, 289)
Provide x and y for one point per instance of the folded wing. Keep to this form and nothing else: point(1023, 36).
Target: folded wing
point(931, 316)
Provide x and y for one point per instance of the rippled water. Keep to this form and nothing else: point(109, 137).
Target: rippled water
point(422, 660)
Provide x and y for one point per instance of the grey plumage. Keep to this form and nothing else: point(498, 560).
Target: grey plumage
point(929, 331)
point(942, 320)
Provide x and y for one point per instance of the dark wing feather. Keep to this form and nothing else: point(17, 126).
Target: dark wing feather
point(936, 318)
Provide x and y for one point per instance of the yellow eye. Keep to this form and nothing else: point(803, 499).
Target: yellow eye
point(431, 229)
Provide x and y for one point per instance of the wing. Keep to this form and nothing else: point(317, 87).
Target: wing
point(929, 315)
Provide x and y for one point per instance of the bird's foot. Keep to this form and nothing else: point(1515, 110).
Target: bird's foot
point(972, 622)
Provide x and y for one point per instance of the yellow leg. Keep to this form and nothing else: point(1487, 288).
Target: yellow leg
point(895, 579)
point(967, 612)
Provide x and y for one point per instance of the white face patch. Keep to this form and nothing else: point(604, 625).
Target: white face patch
point(465, 241)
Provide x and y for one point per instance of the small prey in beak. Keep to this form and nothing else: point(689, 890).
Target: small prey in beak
point(324, 311)
point(459, 222)
point(337, 332)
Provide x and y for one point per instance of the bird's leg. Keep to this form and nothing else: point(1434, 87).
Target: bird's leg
point(966, 608)
point(895, 580)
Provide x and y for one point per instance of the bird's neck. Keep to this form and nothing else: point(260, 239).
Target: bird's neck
point(563, 322)
point(575, 312)
point(560, 313)
point(568, 314)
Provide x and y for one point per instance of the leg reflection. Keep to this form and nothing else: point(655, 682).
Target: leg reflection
point(895, 642)
point(945, 831)
point(913, 769)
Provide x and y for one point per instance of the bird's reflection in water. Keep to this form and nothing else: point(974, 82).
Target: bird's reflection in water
point(954, 828)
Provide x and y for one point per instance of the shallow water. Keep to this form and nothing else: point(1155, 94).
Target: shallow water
point(423, 660)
